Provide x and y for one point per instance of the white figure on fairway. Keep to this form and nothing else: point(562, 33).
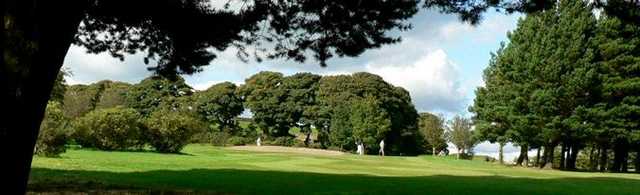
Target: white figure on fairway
point(381, 148)
point(360, 148)
point(259, 142)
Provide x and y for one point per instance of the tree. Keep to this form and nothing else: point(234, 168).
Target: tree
point(461, 135)
point(113, 94)
point(156, 92)
point(81, 99)
point(338, 92)
point(220, 104)
point(614, 117)
point(169, 131)
point(60, 87)
point(433, 129)
point(53, 132)
point(341, 130)
point(301, 103)
point(263, 94)
point(370, 122)
point(115, 128)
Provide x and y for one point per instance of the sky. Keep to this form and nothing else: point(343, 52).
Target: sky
point(439, 61)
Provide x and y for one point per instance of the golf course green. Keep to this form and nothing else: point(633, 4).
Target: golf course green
point(227, 170)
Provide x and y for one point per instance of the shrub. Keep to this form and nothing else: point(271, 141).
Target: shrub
point(53, 132)
point(202, 137)
point(169, 131)
point(110, 129)
point(238, 141)
point(219, 138)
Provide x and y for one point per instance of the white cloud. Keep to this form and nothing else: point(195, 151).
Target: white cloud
point(433, 81)
point(88, 68)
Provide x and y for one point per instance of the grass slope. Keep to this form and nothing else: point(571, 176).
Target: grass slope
point(209, 169)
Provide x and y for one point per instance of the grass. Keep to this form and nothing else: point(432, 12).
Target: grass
point(204, 168)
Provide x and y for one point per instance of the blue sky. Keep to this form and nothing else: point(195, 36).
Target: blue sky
point(440, 62)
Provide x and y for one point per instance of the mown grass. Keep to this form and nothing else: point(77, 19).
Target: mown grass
point(204, 168)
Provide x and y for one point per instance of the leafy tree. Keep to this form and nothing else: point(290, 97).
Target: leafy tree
point(113, 94)
point(615, 117)
point(115, 128)
point(156, 92)
point(370, 122)
point(341, 129)
point(300, 103)
point(336, 93)
point(59, 87)
point(220, 105)
point(53, 132)
point(169, 131)
point(433, 129)
point(263, 94)
point(461, 135)
point(79, 100)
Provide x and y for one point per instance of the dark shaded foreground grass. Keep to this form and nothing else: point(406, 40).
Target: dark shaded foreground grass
point(236, 181)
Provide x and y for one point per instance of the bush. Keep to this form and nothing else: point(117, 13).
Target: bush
point(169, 131)
point(53, 132)
point(238, 141)
point(116, 128)
point(219, 138)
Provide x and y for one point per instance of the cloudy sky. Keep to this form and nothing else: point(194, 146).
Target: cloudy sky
point(440, 62)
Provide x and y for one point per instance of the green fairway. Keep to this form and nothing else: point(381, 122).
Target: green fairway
point(204, 168)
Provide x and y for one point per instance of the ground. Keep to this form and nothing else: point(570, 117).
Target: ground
point(208, 169)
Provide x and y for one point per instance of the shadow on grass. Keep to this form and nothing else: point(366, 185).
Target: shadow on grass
point(236, 181)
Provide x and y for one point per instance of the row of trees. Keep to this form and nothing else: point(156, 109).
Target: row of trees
point(342, 110)
point(567, 82)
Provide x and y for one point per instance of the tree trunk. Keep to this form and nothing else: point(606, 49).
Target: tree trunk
point(537, 163)
point(433, 151)
point(563, 150)
point(604, 158)
point(572, 158)
point(36, 37)
point(548, 157)
point(620, 155)
point(524, 155)
point(501, 153)
point(636, 164)
point(593, 164)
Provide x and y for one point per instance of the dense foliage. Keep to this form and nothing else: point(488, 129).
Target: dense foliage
point(53, 131)
point(116, 128)
point(460, 134)
point(157, 92)
point(433, 129)
point(337, 96)
point(220, 104)
point(575, 87)
point(169, 131)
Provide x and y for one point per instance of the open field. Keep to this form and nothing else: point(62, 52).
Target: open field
point(203, 168)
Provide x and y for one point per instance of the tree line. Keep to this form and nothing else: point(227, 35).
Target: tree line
point(566, 83)
point(333, 112)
